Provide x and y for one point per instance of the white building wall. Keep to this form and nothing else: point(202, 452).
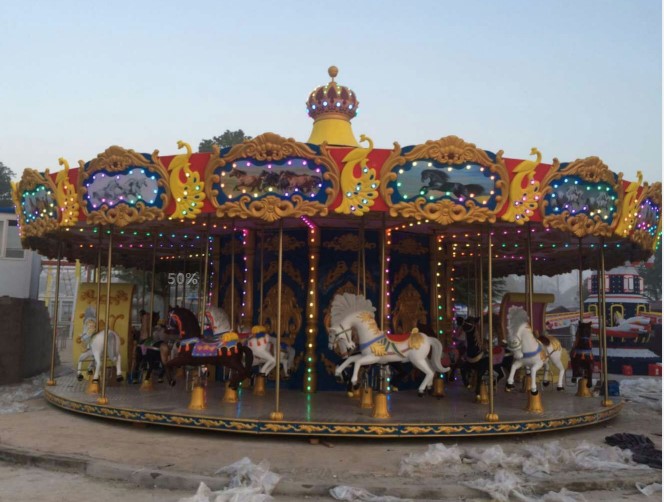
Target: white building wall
point(17, 275)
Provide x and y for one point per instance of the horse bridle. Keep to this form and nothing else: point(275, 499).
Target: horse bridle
point(210, 320)
point(345, 332)
point(178, 323)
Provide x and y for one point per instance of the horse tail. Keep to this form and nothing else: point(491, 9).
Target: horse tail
point(437, 355)
point(248, 360)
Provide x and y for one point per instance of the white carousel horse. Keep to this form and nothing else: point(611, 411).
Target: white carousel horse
point(261, 344)
point(350, 312)
point(95, 346)
point(529, 352)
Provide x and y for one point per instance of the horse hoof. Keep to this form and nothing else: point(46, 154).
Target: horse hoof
point(573, 379)
point(534, 392)
point(160, 380)
point(172, 383)
point(394, 389)
point(560, 388)
point(509, 387)
point(119, 378)
point(546, 384)
point(420, 394)
point(79, 377)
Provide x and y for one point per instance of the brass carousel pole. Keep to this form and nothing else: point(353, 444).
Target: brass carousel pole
point(383, 266)
point(492, 416)
point(480, 294)
point(580, 281)
point(51, 380)
point(248, 291)
point(98, 282)
point(206, 258)
point(232, 308)
point(276, 414)
point(259, 383)
point(103, 399)
point(483, 397)
point(529, 277)
point(262, 273)
point(602, 326)
point(152, 281)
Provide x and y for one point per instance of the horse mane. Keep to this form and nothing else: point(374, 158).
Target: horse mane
point(516, 317)
point(347, 304)
point(189, 321)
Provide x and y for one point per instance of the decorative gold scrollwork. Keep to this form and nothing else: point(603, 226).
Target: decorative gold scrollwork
point(188, 194)
point(358, 193)
point(524, 200)
point(450, 150)
point(115, 160)
point(270, 147)
point(629, 207)
point(65, 194)
point(271, 208)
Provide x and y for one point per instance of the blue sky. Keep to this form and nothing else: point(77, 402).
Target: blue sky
point(574, 78)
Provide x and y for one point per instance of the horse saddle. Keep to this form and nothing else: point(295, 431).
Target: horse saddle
point(227, 343)
point(397, 337)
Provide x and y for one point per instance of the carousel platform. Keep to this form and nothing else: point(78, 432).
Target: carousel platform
point(334, 413)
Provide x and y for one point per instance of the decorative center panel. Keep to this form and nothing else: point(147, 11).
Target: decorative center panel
point(284, 179)
point(38, 203)
point(436, 181)
point(129, 187)
point(576, 196)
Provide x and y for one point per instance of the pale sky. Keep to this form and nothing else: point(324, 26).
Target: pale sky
point(572, 77)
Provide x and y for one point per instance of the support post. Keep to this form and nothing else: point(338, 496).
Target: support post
point(310, 358)
point(602, 325)
point(492, 416)
point(276, 414)
point(51, 380)
point(102, 399)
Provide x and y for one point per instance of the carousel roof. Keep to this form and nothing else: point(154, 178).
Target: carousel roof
point(447, 188)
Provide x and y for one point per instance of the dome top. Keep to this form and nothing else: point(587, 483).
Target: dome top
point(332, 100)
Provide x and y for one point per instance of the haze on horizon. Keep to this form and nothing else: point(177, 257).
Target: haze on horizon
point(573, 78)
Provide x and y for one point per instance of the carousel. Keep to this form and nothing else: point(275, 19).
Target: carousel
point(328, 272)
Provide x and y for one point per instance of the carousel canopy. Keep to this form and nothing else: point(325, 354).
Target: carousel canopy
point(447, 187)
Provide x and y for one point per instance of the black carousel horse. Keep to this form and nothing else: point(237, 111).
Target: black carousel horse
point(477, 359)
point(582, 354)
point(434, 179)
point(149, 354)
point(196, 351)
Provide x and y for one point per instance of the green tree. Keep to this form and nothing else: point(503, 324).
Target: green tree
point(228, 138)
point(652, 277)
point(5, 186)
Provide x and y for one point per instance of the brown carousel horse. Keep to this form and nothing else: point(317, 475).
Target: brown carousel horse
point(196, 351)
point(582, 354)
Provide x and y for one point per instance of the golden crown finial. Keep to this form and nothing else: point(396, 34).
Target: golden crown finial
point(333, 71)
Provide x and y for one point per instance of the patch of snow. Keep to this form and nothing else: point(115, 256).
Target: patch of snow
point(12, 396)
point(647, 391)
point(509, 476)
point(249, 483)
point(351, 493)
point(649, 490)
